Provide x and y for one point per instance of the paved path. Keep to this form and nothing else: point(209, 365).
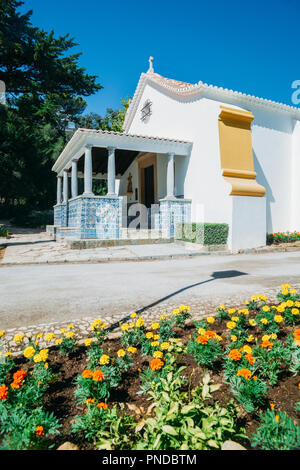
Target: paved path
point(39, 294)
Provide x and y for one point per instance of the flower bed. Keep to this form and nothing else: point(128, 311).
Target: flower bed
point(172, 384)
point(282, 237)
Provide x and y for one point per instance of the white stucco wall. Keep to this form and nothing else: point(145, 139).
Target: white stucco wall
point(276, 151)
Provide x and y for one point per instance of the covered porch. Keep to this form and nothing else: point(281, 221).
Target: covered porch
point(144, 178)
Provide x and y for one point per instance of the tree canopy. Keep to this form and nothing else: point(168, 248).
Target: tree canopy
point(45, 90)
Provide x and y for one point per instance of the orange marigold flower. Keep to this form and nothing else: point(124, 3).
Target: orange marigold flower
point(87, 374)
point(235, 355)
point(156, 364)
point(266, 344)
point(246, 373)
point(250, 358)
point(102, 405)
point(201, 339)
point(19, 376)
point(254, 377)
point(40, 431)
point(98, 376)
point(90, 400)
point(210, 334)
point(297, 333)
point(3, 392)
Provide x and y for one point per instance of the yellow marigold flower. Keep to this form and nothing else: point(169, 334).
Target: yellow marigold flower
point(266, 308)
point(162, 317)
point(158, 354)
point(250, 339)
point(133, 315)
point(132, 350)
point(149, 335)
point(280, 308)
point(156, 337)
point(266, 338)
point(210, 320)
point(247, 349)
point(131, 324)
point(58, 341)
point(125, 327)
point(29, 352)
point(277, 418)
point(252, 322)
point(201, 331)
point(234, 319)
point(155, 326)
point(140, 322)
point(165, 345)
point(18, 338)
point(231, 325)
point(37, 358)
point(231, 311)
point(70, 326)
point(46, 365)
point(7, 354)
point(278, 318)
point(49, 336)
point(273, 336)
point(285, 291)
point(63, 331)
point(289, 303)
point(2, 333)
point(246, 302)
point(104, 360)
point(176, 311)
point(264, 298)
point(292, 291)
point(285, 286)
point(155, 343)
point(44, 353)
point(264, 321)
point(295, 311)
point(218, 337)
point(222, 307)
point(88, 342)
point(69, 334)
point(297, 304)
point(121, 353)
point(233, 338)
point(103, 326)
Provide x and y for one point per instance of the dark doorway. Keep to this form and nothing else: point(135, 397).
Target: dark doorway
point(149, 185)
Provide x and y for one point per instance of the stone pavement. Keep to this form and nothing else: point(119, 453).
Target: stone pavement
point(39, 248)
point(35, 247)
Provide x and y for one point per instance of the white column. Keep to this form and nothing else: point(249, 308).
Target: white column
point(170, 177)
point(66, 187)
point(88, 171)
point(111, 172)
point(59, 186)
point(74, 186)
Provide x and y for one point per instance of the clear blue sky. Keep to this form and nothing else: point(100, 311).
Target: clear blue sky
point(251, 47)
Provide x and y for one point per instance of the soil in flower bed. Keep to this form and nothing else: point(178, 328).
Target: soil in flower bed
point(60, 396)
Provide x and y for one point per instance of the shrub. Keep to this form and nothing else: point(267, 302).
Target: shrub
point(204, 233)
point(33, 218)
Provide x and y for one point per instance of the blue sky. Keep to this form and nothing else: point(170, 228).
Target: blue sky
point(245, 46)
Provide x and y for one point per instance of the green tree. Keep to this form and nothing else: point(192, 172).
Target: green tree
point(45, 90)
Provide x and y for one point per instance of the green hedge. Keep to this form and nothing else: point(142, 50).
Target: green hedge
point(203, 233)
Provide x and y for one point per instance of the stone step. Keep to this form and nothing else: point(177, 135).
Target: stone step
point(139, 234)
